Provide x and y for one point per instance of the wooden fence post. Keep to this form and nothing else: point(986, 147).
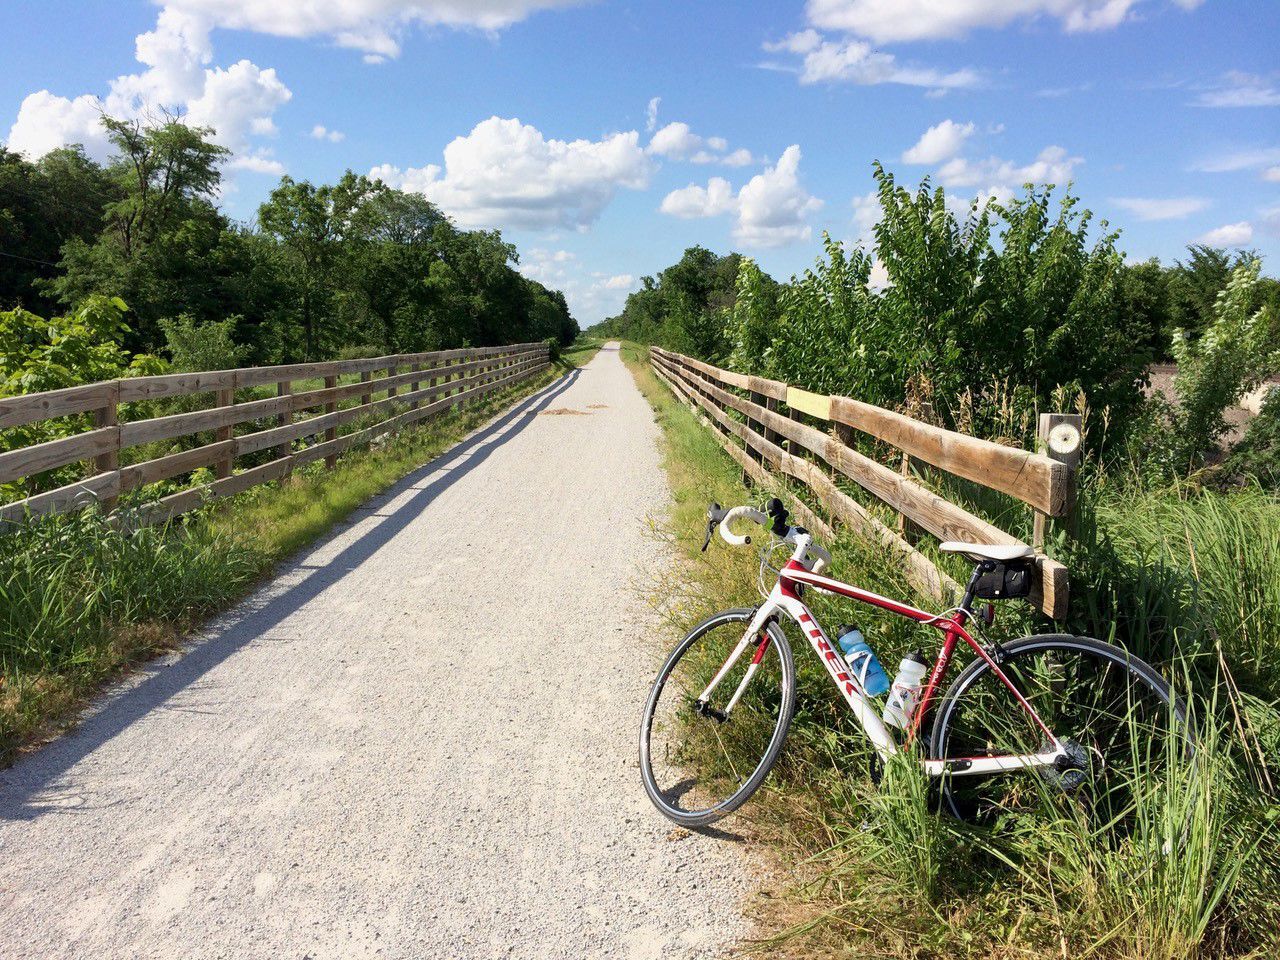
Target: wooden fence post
point(226, 398)
point(391, 372)
point(1058, 437)
point(108, 415)
point(285, 389)
point(332, 432)
point(414, 385)
point(365, 398)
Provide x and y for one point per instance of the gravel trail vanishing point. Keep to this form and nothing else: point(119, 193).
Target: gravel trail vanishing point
point(418, 741)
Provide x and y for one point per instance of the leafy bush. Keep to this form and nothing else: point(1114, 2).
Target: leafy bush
point(1235, 353)
point(1258, 455)
point(203, 346)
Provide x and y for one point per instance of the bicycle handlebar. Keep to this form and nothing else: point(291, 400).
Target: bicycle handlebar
point(821, 558)
point(737, 513)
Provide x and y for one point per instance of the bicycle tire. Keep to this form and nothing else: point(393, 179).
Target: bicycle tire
point(974, 671)
point(721, 809)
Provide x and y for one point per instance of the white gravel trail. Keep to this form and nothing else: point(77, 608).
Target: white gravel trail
point(417, 742)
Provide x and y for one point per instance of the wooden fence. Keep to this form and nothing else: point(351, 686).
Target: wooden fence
point(774, 427)
point(451, 377)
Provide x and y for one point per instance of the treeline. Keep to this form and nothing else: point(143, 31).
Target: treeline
point(982, 319)
point(350, 267)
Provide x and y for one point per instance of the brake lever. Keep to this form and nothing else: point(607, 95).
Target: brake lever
point(715, 513)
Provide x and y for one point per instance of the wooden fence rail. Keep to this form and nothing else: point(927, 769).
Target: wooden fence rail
point(768, 417)
point(454, 377)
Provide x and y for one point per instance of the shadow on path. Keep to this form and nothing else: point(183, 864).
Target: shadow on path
point(21, 786)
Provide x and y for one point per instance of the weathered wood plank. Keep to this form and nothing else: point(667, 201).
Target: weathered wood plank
point(1032, 478)
point(30, 407)
point(935, 514)
point(175, 385)
point(73, 496)
point(162, 468)
point(39, 457)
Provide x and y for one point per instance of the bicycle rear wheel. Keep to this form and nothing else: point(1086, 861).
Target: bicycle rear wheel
point(702, 761)
point(1120, 723)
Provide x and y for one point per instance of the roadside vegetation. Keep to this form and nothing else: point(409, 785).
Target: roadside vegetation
point(876, 871)
point(979, 321)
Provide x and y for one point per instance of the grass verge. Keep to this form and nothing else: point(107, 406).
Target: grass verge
point(875, 872)
point(82, 600)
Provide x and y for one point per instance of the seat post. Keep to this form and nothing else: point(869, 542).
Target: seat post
point(981, 567)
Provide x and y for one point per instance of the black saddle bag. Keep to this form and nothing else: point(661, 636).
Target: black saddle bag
point(1006, 581)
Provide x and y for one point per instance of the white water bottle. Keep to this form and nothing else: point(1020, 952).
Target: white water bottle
point(905, 692)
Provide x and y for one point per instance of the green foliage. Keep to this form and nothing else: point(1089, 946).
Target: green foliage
point(196, 346)
point(1257, 456)
point(1239, 349)
point(326, 266)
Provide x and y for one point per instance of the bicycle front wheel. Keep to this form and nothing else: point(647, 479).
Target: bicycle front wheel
point(1119, 723)
point(701, 760)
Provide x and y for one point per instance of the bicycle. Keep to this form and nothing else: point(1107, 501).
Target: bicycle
point(1073, 711)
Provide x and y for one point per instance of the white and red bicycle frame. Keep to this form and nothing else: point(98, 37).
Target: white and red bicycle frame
point(785, 598)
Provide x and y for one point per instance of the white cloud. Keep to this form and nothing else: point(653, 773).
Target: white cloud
point(867, 212)
point(46, 121)
point(238, 102)
point(651, 114)
point(1239, 160)
point(676, 141)
point(879, 277)
point(892, 21)
point(693, 202)
point(1229, 235)
point(1239, 89)
point(374, 27)
point(771, 209)
point(504, 173)
point(854, 61)
point(257, 162)
point(321, 132)
point(1170, 208)
point(591, 296)
point(940, 142)
point(997, 178)
point(1271, 174)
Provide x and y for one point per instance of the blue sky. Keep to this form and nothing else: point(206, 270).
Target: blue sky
point(605, 137)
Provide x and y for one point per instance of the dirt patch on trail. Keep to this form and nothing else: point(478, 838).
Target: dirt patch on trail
point(562, 412)
point(597, 406)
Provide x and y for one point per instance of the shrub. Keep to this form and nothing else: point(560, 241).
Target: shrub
point(1258, 454)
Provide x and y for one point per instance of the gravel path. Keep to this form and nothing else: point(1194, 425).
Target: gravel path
point(419, 741)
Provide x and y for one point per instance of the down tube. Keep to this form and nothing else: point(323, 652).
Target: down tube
point(862, 708)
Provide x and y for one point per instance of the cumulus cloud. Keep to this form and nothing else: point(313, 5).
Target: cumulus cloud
point(374, 27)
point(676, 141)
point(1171, 208)
point(591, 296)
point(1241, 90)
point(238, 102)
point(895, 21)
point(505, 173)
point(46, 121)
point(850, 60)
point(694, 202)
point(651, 114)
point(771, 209)
point(321, 132)
point(940, 142)
point(996, 177)
point(1229, 235)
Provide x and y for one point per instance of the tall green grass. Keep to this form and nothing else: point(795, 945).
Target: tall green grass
point(1188, 579)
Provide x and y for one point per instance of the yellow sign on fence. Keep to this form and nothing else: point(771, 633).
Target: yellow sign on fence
point(814, 404)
